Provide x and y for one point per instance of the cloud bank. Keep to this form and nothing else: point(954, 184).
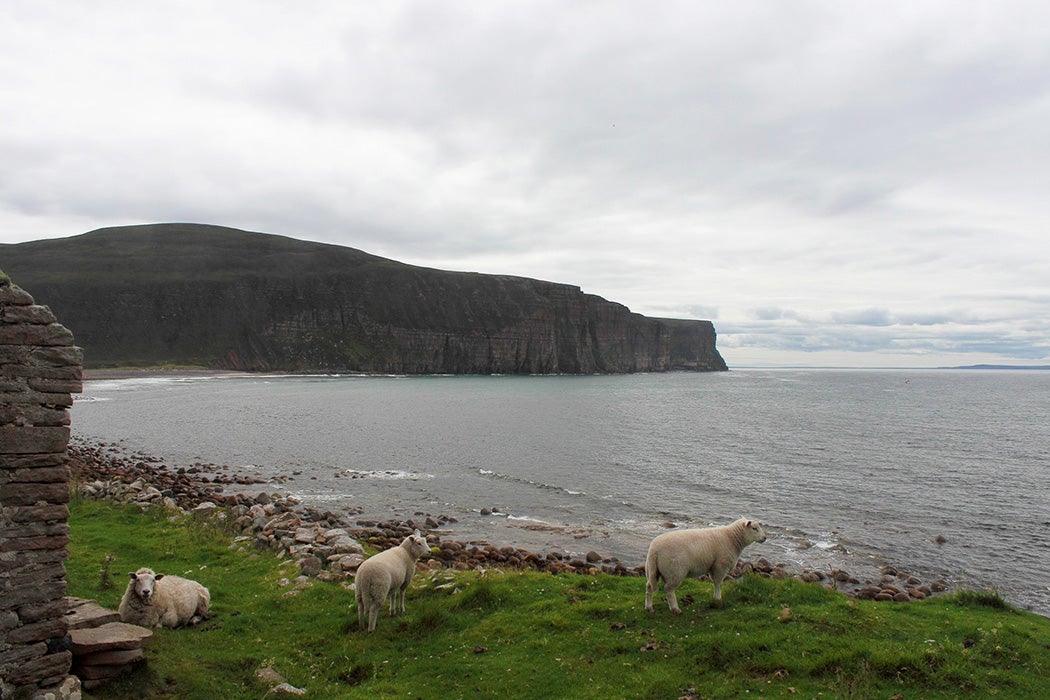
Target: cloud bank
point(830, 183)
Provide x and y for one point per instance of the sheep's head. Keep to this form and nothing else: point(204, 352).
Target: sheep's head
point(142, 582)
point(416, 545)
point(755, 533)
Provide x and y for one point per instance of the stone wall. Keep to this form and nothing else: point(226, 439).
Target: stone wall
point(40, 369)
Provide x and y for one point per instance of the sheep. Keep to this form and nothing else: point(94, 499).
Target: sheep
point(387, 573)
point(674, 556)
point(158, 600)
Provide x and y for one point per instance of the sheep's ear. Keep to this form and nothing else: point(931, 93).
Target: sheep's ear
point(748, 523)
point(158, 577)
point(132, 575)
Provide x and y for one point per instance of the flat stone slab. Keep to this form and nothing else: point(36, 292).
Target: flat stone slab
point(85, 613)
point(112, 635)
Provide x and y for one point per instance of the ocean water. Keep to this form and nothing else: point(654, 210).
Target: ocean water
point(848, 469)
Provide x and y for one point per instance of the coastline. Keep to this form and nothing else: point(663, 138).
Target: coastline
point(149, 373)
point(279, 521)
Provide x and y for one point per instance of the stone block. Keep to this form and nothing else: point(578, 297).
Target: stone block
point(58, 356)
point(23, 494)
point(18, 655)
point(42, 667)
point(24, 334)
point(14, 411)
point(44, 611)
point(15, 295)
point(37, 631)
point(15, 563)
point(33, 315)
point(55, 386)
point(17, 544)
point(45, 513)
point(32, 461)
point(33, 440)
point(35, 575)
point(34, 529)
point(113, 635)
point(22, 369)
point(42, 475)
point(85, 614)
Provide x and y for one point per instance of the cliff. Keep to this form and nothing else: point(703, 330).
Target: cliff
point(208, 296)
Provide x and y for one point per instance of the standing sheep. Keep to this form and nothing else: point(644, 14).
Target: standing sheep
point(674, 556)
point(387, 573)
point(157, 600)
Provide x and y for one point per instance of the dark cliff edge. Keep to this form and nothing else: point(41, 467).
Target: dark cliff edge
point(221, 298)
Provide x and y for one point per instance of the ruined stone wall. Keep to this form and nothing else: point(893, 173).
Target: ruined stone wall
point(39, 370)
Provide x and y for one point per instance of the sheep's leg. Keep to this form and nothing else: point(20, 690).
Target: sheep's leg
point(650, 586)
point(404, 590)
point(393, 602)
point(360, 613)
point(718, 575)
point(672, 599)
point(373, 613)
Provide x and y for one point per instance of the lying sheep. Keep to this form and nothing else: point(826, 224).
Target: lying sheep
point(387, 573)
point(157, 600)
point(674, 556)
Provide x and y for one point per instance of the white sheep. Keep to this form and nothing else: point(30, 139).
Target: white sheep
point(674, 556)
point(387, 573)
point(158, 600)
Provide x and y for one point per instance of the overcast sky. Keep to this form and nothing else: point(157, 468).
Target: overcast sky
point(830, 183)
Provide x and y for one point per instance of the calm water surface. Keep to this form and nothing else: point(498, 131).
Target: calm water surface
point(849, 468)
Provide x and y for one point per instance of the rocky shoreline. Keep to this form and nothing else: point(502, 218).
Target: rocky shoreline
point(329, 546)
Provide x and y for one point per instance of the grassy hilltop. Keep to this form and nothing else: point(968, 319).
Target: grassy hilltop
point(510, 634)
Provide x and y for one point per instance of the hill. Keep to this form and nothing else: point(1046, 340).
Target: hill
point(195, 295)
point(504, 633)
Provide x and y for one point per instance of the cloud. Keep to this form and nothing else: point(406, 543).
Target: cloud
point(815, 176)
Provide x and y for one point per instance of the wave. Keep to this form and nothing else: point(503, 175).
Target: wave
point(384, 474)
point(530, 482)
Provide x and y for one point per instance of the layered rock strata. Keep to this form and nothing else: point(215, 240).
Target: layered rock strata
point(214, 297)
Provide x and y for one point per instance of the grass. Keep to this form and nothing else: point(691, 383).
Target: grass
point(532, 635)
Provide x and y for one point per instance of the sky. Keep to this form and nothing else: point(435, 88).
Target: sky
point(831, 183)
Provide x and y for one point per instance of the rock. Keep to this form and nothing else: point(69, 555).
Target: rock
point(269, 675)
point(104, 652)
point(288, 689)
point(593, 557)
point(204, 510)
point(85, 614)
point(112, 635)
point(870, 593)
point(310, 566)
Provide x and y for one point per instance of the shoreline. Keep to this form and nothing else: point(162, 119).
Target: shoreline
point(148, 373)
point(280, 521)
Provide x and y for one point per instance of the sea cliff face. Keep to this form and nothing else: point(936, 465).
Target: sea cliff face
point(190, 294)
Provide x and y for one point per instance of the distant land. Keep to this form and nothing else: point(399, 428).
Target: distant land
point(210, 297)
point(1000, 367)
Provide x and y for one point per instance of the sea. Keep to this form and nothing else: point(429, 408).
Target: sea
point(941, 473)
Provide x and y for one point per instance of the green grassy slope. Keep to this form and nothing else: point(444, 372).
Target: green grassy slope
point(530, 635)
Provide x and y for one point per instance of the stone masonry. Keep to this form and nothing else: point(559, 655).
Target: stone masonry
point(40, 369)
